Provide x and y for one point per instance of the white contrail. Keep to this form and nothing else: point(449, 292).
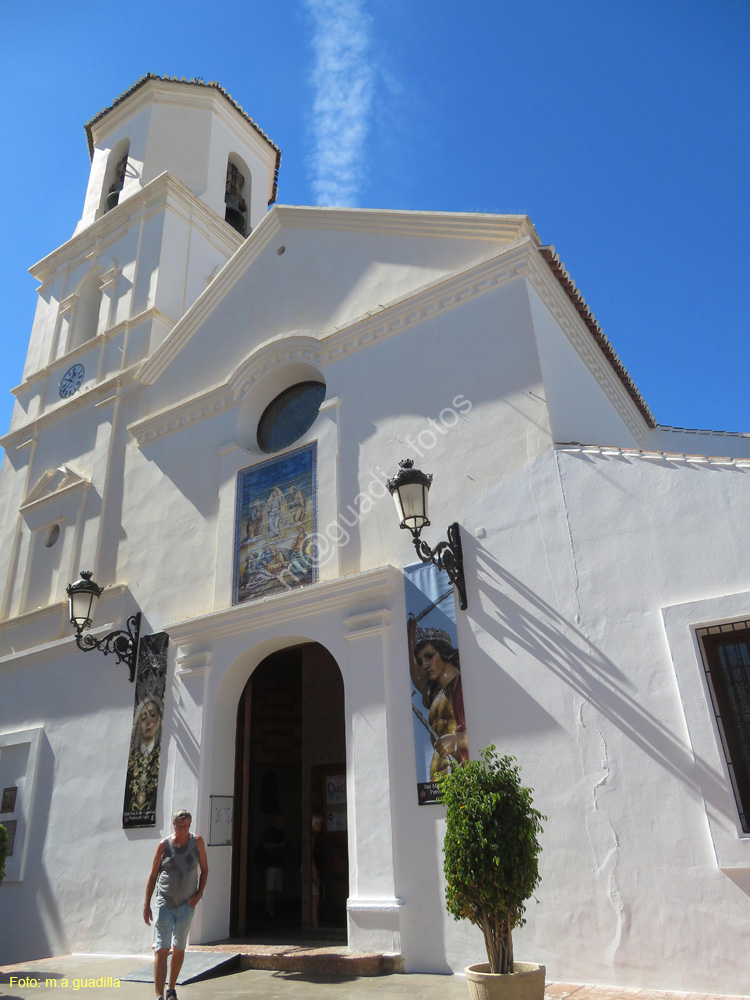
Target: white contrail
point(343, 82)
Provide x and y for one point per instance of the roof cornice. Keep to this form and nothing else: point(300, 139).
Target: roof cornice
point(162, 191)
point(558, 269)
point(371, 587)
point(400, 222)
point(606, 368)
point(506, 229)
point(675, 458)
point(439, 295)
point(81, 399)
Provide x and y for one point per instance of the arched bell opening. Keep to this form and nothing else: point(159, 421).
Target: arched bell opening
point(290, 758)
point(237, 194)
point(114, 177)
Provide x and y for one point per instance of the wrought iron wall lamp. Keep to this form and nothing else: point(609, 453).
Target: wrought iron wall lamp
point(82, 598)
point(410, 488)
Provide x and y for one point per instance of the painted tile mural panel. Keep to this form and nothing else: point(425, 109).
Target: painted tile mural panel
point(276, 525)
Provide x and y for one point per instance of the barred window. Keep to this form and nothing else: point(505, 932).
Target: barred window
point(726, 660)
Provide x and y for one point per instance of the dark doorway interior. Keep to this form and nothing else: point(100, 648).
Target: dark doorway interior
point(290, 758)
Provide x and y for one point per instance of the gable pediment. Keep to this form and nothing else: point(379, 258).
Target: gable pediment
point(54, 484)
point(321, 269)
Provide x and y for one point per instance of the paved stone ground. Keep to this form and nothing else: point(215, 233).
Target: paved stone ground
point(33, 981)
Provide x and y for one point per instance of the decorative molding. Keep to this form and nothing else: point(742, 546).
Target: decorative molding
point(598, 451)
point(109, 278)
point(189, 412)
point(582, 340)
point(579, 304)
point(123, 326)
point(68, 305)
point(108, 401)
point(367, 623)
point(164, 191)
point(67, 406)
point(161, 89)
point(42, 653)
point(31, 618)
point(388, 905)
point(445, 225)
point(53, 485)
point(518, 259)
point(702, 433)
point(437, 296)
point(376, 585)
point(193, 665)
point(504, 229)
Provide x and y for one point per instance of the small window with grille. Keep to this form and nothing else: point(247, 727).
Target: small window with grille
point(726, 659)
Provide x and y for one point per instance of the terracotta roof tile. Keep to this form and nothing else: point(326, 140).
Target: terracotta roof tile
point(558, 269)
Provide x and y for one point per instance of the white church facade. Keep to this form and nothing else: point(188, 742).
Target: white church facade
point(215, 394)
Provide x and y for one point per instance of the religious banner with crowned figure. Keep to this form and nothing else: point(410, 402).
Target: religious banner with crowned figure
point(437, 702)
point(275, 526)
point(142, 781)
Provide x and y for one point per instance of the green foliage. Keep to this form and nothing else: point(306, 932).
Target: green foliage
point(491, 849)
point(3, 851)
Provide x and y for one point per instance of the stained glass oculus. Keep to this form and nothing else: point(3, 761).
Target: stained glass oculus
point(290, 415)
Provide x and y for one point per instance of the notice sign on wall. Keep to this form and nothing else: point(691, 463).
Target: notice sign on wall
point(336, 789)
point(335, 792)
point(145, 741)
point(221, 818)
point(437, 701)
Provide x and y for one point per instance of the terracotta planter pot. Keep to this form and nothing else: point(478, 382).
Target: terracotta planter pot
point(526, 983)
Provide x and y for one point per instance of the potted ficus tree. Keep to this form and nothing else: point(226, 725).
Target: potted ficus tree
point(491, 867)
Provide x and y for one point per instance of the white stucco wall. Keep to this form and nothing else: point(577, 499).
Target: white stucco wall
point(587, 567)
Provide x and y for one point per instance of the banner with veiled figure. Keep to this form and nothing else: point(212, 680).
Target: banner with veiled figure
point(142, 781)
point(276, 525)
point(437, 701)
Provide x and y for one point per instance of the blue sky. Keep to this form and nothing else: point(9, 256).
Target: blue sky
point(620, 128)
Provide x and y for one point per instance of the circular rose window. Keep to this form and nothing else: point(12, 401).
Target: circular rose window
point(291, 414)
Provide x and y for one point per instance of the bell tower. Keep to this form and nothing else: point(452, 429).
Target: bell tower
point(180, 176)
point(194, 132)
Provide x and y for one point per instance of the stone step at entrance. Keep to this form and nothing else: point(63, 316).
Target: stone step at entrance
point(315, 957)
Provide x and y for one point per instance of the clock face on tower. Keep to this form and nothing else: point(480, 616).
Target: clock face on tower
point(71, 381)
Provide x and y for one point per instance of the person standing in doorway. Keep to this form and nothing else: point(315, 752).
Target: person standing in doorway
point(317, 862)
point(274, 845)
point(179, 874)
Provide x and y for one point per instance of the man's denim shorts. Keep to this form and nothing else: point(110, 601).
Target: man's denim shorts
point(171, 926)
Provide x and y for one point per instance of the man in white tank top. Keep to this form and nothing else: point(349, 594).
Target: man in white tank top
point(179, 887)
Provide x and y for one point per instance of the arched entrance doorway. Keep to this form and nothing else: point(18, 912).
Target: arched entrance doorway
point(290, 758)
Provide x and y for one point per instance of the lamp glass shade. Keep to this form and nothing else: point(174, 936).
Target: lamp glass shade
point(82, 609)
point(82, 598)
point(411, 504)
